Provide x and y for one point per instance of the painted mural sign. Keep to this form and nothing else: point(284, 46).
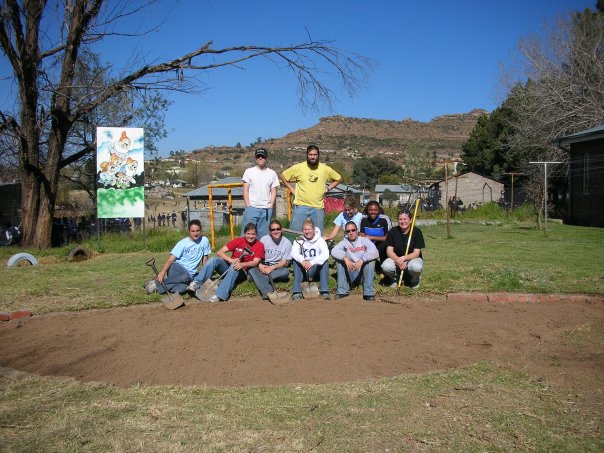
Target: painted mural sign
point(120, 173)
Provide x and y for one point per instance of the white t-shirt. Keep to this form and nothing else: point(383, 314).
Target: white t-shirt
point(261, 182)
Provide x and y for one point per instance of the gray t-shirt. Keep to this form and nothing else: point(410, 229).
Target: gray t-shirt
point(273, 253)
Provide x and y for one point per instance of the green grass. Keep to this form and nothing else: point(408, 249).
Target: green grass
point(501, 257)
point(483, 407)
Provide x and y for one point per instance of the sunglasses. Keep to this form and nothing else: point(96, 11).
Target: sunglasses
point(350, 231)
point(260, 157)
point(275, 229)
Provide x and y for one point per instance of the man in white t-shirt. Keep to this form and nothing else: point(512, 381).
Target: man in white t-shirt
point(259, 191)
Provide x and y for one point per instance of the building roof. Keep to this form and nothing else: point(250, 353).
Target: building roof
point(587, 135)
point(202, 192)
point(395, 188)
point(344, 188)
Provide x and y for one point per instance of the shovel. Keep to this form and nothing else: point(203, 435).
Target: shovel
point(275, 297)
point(310, 290)
point(173, 300)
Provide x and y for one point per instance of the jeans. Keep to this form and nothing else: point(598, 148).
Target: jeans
point(176, 280)
point(231, 278)
point(411, 274)
point(300, 275)
point(261, 217)
point(301, 213)
point(262, 281)
point(347, 278)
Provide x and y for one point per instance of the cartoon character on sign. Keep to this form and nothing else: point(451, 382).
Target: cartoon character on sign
point(119, 150)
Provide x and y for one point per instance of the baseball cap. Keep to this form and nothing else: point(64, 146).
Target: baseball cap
point(261, 152)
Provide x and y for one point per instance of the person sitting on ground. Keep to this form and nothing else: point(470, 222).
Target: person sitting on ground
point(183, 262)
point(412, 263)
point(350, 213)
point(375, 226)
point(310, 256)
point(355, 261)
point(234, 267)
point(277, 255)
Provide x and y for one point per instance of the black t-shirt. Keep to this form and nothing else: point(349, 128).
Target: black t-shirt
point(398, 241)
point(377, 227)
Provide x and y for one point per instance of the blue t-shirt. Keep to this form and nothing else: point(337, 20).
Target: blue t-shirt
point(343, 218)
point(189, 253)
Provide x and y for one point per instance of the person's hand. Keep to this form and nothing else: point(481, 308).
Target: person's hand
point(349, 264)
point(237, 265)
point(160, 276)
point(401, 263)
point(306, 265)
point(265, 269)
point(358, 265)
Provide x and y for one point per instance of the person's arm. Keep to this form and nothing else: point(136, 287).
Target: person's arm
point(164, 270)
point(333, 234)
point(273, 196)
point(222, 253)
point(286, 183)
point(333, 184)
point(247, 264)
point(246, 194)
point(204, 260)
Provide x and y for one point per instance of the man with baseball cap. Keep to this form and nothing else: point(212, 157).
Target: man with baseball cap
point(259, 191)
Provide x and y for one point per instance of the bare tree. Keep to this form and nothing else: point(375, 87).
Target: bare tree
point(49, 106)
point(564, 92)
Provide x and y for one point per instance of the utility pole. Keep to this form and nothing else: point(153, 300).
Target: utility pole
point(446, 162)
point(545, 164)
point(512, 174)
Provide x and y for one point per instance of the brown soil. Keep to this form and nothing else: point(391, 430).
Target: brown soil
point(245, 342)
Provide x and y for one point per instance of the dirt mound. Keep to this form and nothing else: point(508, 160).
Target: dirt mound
point(246, 342)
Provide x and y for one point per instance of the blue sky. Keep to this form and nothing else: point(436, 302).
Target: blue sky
point(431, 58)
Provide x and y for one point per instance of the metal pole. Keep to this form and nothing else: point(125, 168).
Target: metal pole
point(144, 233)
point(447, 200)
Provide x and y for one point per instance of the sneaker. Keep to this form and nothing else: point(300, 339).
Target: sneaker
point(369, 298)
point(342, 296)
point(414, 284)
point(325, 296)
point(297, 296)
point(393, 285)
point(193, 286)
point(150, 286)
point(214, 298)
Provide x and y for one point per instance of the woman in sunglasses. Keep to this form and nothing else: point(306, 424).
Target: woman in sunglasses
point(355, 261)
point(277, 255)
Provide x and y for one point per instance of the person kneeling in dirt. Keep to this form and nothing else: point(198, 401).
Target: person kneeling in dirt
point(355, 262)
point(277, 255)
point(311, 257)
point(412, 263)
point(183, 262)
point(246, 253)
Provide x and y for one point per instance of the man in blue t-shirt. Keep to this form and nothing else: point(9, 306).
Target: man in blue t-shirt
point(183, 262)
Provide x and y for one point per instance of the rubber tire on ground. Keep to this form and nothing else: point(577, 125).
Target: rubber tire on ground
point(79, 254)
point(18, 257)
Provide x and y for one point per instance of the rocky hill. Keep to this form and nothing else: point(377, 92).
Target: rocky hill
point(345, 139)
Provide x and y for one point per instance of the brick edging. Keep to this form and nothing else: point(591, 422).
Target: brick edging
point(17, 314)
point(519, 298)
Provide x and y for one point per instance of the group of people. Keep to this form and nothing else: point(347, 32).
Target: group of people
point(163, 219)
point(263, 254)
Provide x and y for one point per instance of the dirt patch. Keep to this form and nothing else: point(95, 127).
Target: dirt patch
point(246, 342)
